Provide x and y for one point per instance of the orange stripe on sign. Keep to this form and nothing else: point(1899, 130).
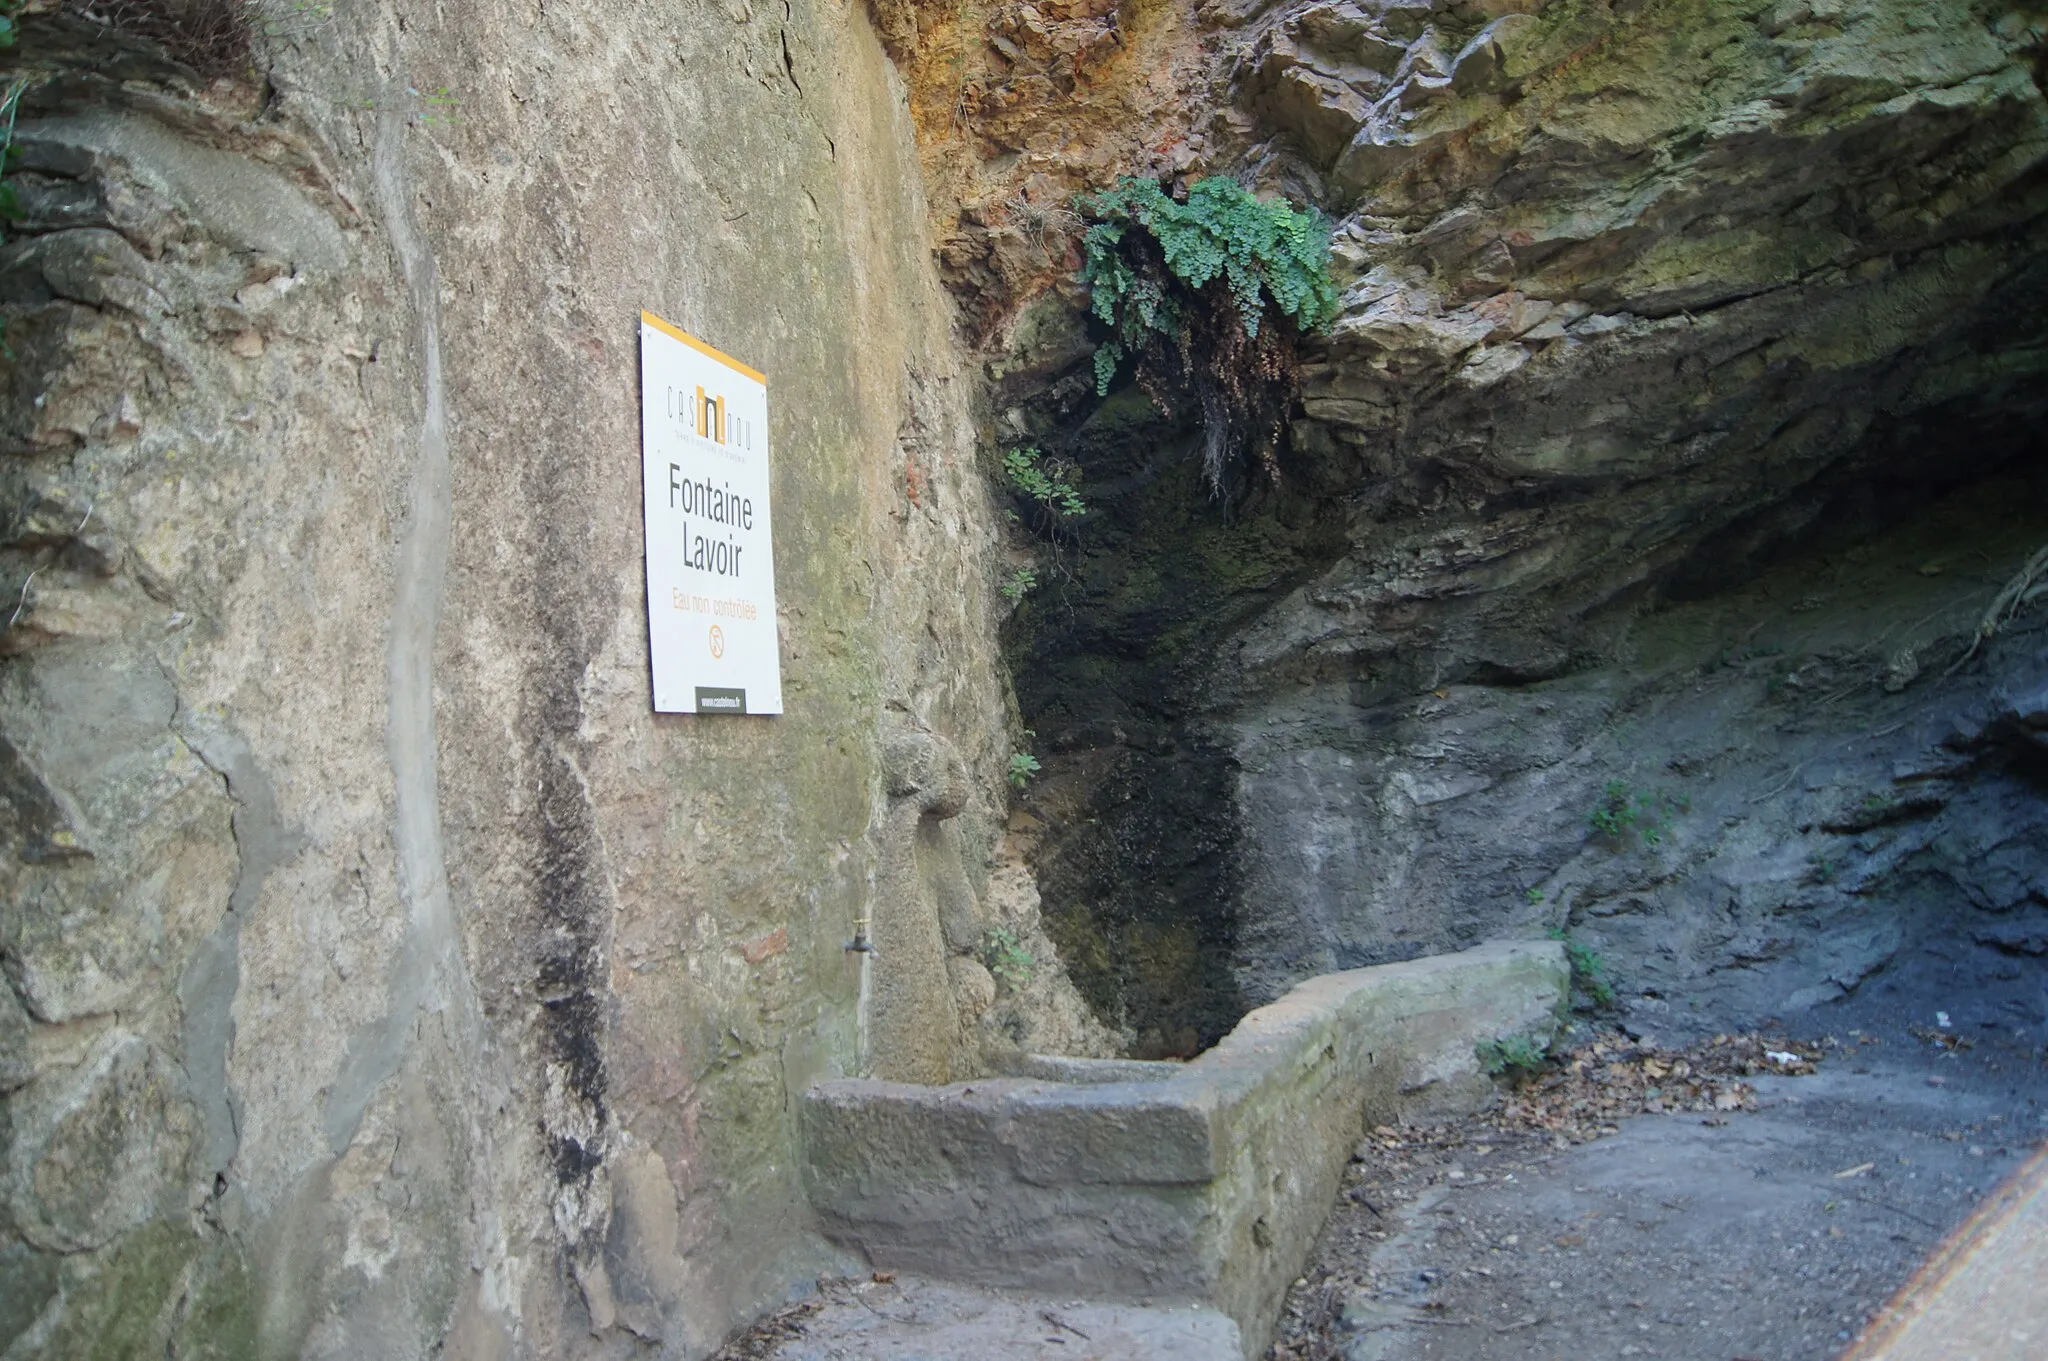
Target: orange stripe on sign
point(648, 318)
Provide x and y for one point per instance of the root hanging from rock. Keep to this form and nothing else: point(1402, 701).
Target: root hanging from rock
point(2027, 585)
point(213, 37)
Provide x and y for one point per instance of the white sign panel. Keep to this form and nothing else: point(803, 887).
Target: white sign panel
point(710, 553)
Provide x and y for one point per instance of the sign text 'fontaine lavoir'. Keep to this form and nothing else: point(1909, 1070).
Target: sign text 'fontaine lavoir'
point(710, 549)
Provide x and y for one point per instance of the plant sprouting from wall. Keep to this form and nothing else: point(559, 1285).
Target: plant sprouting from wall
point(1206, 298)
point(1007, 957)
point(1023, 765)
point(1050, 488)
point(1049, 484)
point(1515, 1057)
point(1590, 988)
point(1623, 809)
point(1019, 584)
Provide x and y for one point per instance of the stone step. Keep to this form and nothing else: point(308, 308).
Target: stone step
point(1203, 1182)
point(913, 1319)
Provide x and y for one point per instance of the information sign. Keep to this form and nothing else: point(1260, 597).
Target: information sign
point(710, 552)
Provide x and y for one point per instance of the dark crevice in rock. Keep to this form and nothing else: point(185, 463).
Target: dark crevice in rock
point(1139, 890)
point(1137, 874)
point(571, 899)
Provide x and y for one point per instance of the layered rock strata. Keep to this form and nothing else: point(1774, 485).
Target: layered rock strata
point(1639, 298)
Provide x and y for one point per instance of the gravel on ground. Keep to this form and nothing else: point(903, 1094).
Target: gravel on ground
point(1710, 1202)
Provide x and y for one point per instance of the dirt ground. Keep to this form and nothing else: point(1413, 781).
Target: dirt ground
point(1769, 1222)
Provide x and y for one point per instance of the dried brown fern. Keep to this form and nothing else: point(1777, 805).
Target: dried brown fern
point(213, 37)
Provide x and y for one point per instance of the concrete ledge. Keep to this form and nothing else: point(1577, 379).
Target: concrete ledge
point(1200, 1182)
point(1978, 1296)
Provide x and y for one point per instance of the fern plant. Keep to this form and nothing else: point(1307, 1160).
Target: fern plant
point(1206, 298)
point(1516, 1057)
point(1047, 483)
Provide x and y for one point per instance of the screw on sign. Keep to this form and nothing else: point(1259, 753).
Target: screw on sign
point(717, 641)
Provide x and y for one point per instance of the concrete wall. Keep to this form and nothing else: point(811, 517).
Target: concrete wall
point(1206, 1181)
point(383, 977)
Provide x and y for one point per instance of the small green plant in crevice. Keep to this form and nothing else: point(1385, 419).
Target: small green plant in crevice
point(1048, 483)
point(1623, 809)
point(1535, 896)
point(1589, 971)
point(1206, 297)
point(1616, 813)
point(1019, 584)
point(1023, 765)
point(1050, 487)
point(1516, 1057)
point(1007, 958)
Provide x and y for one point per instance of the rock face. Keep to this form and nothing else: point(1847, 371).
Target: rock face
point(1018, 104)
point(1640, 301)
point(383, 978)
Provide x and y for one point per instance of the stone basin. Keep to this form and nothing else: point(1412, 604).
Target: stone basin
point(1201, 1182)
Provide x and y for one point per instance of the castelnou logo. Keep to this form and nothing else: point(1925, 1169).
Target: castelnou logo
point(709, 416)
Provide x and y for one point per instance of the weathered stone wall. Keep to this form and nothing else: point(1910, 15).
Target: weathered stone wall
point(384, 978)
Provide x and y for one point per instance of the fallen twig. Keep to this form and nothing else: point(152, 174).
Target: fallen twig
point(1782, 785)
point(1866, 1200)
